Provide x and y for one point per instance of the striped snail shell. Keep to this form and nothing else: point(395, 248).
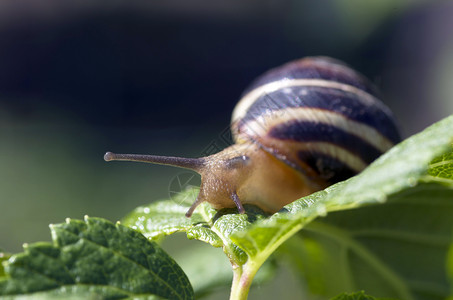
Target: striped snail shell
point(297, 129)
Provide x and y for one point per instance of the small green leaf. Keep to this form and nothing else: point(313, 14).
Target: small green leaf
point(3, 257)
point(95, 258)
point(356, 296)
point(206, 224)
point(167, 217)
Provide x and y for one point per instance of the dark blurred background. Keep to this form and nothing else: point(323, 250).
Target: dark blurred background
point(78, 78)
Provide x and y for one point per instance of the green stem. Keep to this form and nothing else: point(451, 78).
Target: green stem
point(235, 287)
point(242, 280)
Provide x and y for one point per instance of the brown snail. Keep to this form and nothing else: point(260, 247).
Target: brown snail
point(297, 129)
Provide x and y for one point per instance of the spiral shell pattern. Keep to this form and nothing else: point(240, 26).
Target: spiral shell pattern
point(317, 115)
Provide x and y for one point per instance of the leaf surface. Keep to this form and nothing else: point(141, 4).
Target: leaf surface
point(441, 168)
point(206, 224)
point(97, 259)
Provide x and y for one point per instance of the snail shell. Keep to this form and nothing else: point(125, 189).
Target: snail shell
point(318, 116)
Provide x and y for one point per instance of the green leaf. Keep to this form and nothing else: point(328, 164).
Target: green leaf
point(396, 249)
point(3, 257)
point(206, 224)
point(167, 217)
point(442, 168)
point(392, 245)
point(356, 296)
point(98, 259)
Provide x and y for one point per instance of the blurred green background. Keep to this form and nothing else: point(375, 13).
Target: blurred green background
point(78, 78)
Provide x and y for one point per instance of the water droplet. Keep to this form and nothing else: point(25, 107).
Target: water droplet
point(411, 181)
point(381, 197)
point(321, 210)
point(146, 210)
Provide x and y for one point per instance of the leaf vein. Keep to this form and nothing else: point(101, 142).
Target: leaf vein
point(130, 260)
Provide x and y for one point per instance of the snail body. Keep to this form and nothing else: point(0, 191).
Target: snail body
point(297, 129)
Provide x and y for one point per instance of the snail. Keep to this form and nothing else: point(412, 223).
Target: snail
point(297, 129)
